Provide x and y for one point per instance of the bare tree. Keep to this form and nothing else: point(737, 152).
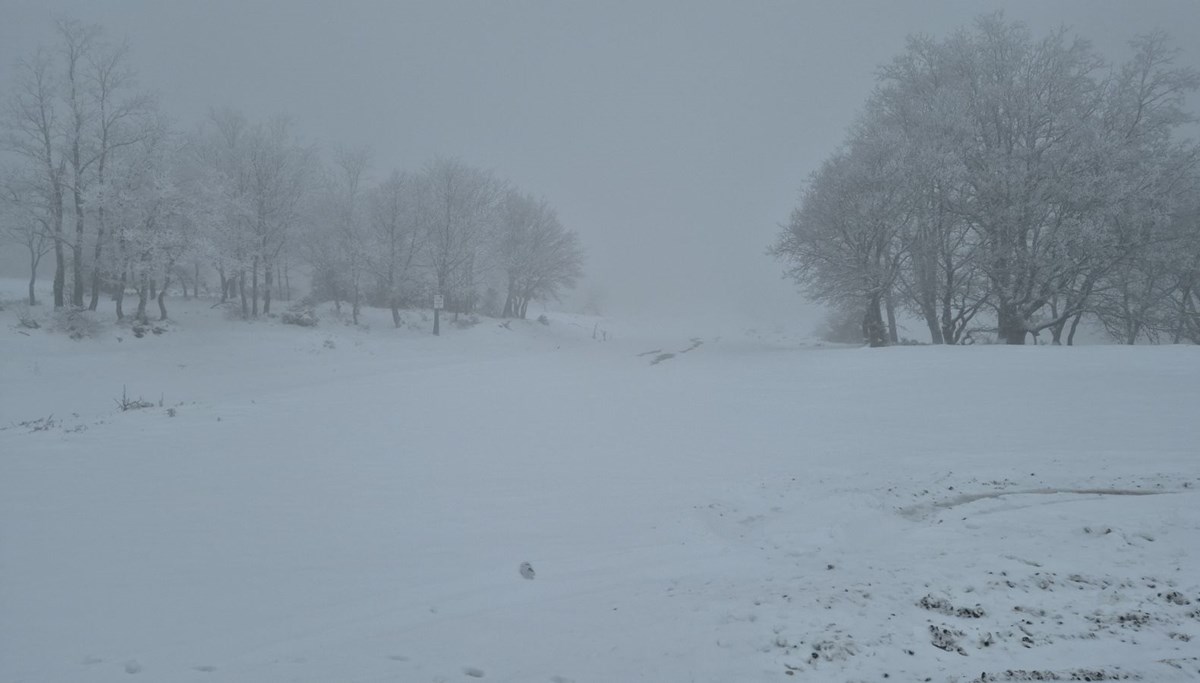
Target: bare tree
point(77, 43)
point(345, 189)
point(26, 221)
point(34, 133)
point(123, 119)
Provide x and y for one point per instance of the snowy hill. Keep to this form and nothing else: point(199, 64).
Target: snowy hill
point(352, 504)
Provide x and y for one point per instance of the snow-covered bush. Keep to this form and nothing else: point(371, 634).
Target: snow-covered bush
point(303, 318)
point(76, 323)
point(26, 319)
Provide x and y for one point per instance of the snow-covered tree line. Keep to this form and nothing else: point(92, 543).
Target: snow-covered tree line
point(996, 181)
point(93, 173)
point(448, 229)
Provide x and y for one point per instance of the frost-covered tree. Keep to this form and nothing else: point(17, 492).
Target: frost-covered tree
point(396, 239)
point(942, 281)
point(33, 132)
point(158, 220)
point(458, 211)
point(344, 222)
point(218, 149)
point(73, 107)
point(77, 44)
point(122, 117)
point(279, 171)
point(1150, 203)
point(1033, 181)
point(538, 256)
point(25, 220)
point(266, 176)
point(843, 243)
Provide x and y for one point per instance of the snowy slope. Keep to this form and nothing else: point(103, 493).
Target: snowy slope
point(744, 508)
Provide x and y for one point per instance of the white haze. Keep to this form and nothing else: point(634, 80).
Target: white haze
point(674, 136)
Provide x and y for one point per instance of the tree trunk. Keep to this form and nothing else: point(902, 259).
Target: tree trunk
point(162, 295)
point(508, 305)
point(96, 260)
point(121, 295)
point(437, 321)
point(1074, 326)
point(1133, 329)
point(60, 268)
point(77, 254)
point(893, 333)
point(287, 283)
point(873, 327)
point(224, 284)
point(143, 288)
point(1010, 327)
point(268, 278)
point(34, 260)
point(929, 312)
point(1056, 331)
point(242, 293)
point(395, 314)
point(254, 287)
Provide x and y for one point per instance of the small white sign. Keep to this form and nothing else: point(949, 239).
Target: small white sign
point(438, 302)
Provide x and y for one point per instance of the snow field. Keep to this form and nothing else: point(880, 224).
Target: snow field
point(354, 505)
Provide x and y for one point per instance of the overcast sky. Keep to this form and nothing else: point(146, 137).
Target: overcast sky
point(674, 136)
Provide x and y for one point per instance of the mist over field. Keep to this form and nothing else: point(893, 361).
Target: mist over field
point(599, 342)
point(674, 137)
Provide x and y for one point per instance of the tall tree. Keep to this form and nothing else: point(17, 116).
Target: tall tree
point(395, 238)
point(77, 43)
point(123, 118)
point(459, 203)
point(843, 241)
point(33, 131)
point(25, 220)
point(1033, 181)
point(537, 254)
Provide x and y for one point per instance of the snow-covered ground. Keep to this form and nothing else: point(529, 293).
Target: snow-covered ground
point(343, 504)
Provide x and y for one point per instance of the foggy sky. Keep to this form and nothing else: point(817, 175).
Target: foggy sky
point(674, 136)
